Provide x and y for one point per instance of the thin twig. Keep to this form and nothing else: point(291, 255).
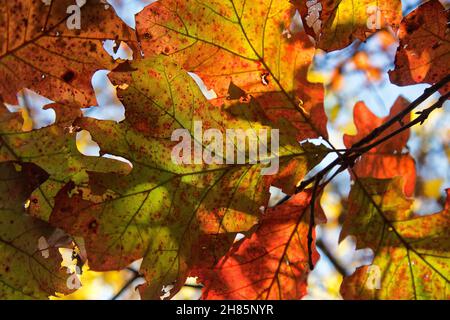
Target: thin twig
point(397, 118)
point(312, 223)
point(348, 158)
point(126, 285)
point(195, 286)
point(423, 115)
point(334, 261)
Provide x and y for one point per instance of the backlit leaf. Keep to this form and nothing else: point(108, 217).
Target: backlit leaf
point(388, 159)
point(53, 149)
point(423, 54)
point(30, 264)
point(272, 263)
point(411, 252)
point(162, 211)
point(249, 43)
point(337, 23)
point(38, 51)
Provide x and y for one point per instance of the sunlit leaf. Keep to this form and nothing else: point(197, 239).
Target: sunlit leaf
point(42, 47)
point(30, 264)
point(272, 263)
point(423, 54)
point(53, 149)
point(337, 23)
point(411, 252)
point(250, 43)
point(388, 159)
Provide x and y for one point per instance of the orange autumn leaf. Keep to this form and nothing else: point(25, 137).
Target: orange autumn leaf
point(362, 63)
point(386, 160)
point(423, 55)
point(42, 48)
point(271, 263)
point(250, 44)
point(361, 60)
point(373, 74)
point(337, 80)
point(386, 39)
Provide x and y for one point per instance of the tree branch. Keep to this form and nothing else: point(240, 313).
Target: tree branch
point(423, 116)
point(312, 224)
point(334, 261)
point(135, 276)
point(348, 158)
point(397, 118)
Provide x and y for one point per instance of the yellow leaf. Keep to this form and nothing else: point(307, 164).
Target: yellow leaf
point(432, 188)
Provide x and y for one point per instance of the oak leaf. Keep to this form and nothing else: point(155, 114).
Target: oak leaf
point(423, 55)
point(249, 43)
point(388, 159)
point(411, 251)
point(337, 23)
point(40, 52)
point(162, 211)
point(30, 266)
point(272, 262)
point(53, 149)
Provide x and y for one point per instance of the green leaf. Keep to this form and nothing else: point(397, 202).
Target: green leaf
point(53, 149)
point(30, 264)
point(335, 24)
point(163, 211)
point(253, 44)
point(411, 252)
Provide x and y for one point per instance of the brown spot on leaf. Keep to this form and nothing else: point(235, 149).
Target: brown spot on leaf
point(93, 225)
point(68, 76)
